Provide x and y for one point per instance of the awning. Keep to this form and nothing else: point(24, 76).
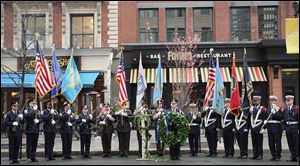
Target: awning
point(226, 77)
point(183, 75)
point(257, 74)
point(7, 80)
point(150, 74)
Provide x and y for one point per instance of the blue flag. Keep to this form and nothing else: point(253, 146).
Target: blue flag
point(218, 99)
point(247, 89)
point(158, 85)
point(71, 85)
point(57, 75)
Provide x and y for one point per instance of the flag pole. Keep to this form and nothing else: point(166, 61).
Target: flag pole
point(37, 35)
point(53, 49)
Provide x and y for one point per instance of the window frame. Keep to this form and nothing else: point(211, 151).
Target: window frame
point(275, 29)
point(239, 29)
point(82, 34)
point(152, 30)
point(175, 16)
point(212, 20)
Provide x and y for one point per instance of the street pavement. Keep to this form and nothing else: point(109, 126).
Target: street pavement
point(96, 152)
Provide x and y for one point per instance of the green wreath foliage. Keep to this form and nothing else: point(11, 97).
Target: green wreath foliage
point(138, 121)
point(178, 129)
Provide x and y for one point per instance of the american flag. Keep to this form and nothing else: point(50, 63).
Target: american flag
point(210, 86)
point(44, 81)
point(121, 79)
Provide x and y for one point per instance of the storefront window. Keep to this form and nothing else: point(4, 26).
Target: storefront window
point(203, 24)
point(148, 25)
point(290, 82)
point(35, 24)
point(82, 34)
point(268, 22)
point(175, 23)
point(240, 24)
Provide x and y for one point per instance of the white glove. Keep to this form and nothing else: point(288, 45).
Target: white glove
point(206, 108)
point(251, 109)
point(20, 116)
point(53, 122)
point(69, 124)
point(76, 117)
point(233, 130)
point(273, 111)
point(217, 129)
point(245, 130)
point(15, 123)
point(35, 107)
point(52, 111)
point(84, 120)
point(262, 131)
point(159, 113)
point(69, 112)
point(194, 117)
point(109, 116)
point(91, 116)
point(36, 121)
point(124, 114)
point(265, 121)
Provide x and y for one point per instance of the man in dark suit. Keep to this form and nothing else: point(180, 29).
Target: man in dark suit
point(194, 122)
point(12, 121)
point(49, 117)
point(291, 121)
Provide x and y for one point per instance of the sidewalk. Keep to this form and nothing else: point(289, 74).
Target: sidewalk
point(96, 145)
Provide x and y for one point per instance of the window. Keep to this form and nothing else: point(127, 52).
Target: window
point(268, 22)
point(148, 25)
point(82, 31)
point(203, 24)
point(175, 23)
point(240, 24)
point(35, 24)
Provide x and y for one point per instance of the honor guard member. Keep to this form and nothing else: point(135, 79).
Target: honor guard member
point(106, 120)
point(257, 115)
point(242, 124)
point(123, 128)
point(212, 123)
point(174, 150)
point(13, 121)
point(228, 126)
point(84, 121)
point(291, 120)
point(275, 116)
point(66, 119)
point(144, 107)
point(32, 119)
point(49, 117)
point(157, 114)
point(195, 120)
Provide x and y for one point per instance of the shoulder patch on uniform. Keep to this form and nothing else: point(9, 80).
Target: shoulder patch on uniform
point(25, 111)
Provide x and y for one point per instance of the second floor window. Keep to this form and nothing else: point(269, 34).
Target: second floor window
point(175, 23)
point(82, 31)
point(203, 24)
point(268, 22)
point(148, 25)
point(240, 24)
point(34, 24)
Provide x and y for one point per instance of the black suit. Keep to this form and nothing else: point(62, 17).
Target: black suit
point(85, 133)
point(50, 132)
point(14, 135)
point(242, 132)
point(32, 132)
point(195, 131)
point(228, 133)
point(275, 132)
point(292, 130)
point(66, 133)
point(106, 128)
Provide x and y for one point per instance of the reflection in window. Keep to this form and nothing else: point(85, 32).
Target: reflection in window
point(240, 24)
point(175, 23)
point(148, 25)
point(82, 34)
point(203, 24)
point(34, 24)
point(268, 22)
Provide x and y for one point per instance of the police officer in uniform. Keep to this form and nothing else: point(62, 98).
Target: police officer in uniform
point(12, 121)
point(212, 123)
point(274, 126)
point(174, 149)
point(291, 121)
point(49, 117)
point(194, 122)
point(242, 124)
point(106, 120)
point(84, 121)
point(66, 119)
point(123, 128)
point(157, 114)
point(257, 115)
point(228, 126)
point(32, 119)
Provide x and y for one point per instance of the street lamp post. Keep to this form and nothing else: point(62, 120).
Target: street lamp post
point(295, 6)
